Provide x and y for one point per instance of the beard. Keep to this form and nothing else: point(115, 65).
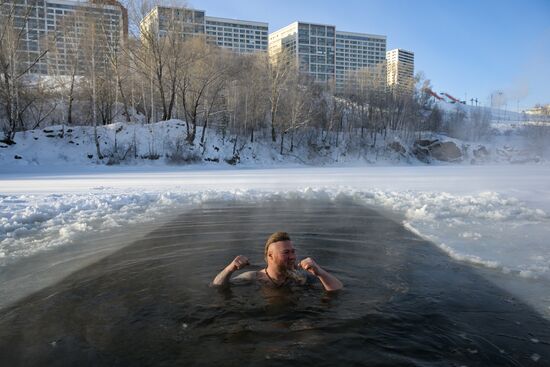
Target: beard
point(291, 272)
point(288, 267)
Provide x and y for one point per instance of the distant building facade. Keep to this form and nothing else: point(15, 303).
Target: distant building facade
point(325, 53)
point(543, 110)
point(59, 26)
point(400, 69)
point(240, 36)
point(161, 20)
point(357, 51)
point(313, 47)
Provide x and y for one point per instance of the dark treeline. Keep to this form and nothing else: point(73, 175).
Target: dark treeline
point(152, 78)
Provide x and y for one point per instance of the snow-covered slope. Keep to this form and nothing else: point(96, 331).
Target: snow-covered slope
point(164, 143)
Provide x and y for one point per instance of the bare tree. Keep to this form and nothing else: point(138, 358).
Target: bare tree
point(162, 58)
point(64, 62)
point(253, 101)
point(278, 70)
point(97, 74)
point(42, 104)
point(15, 63)
point(201, 84)
point(118, 56)
point(298, 109)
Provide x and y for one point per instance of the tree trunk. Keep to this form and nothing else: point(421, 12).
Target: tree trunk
point(172, 99)
point(273, 135)
point(123, 97)
point(71, 99)
point(204, 128)
point(94, 99)
point(235, 145)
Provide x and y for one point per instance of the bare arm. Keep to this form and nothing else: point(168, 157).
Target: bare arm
point(222, 279)
point(329, 281)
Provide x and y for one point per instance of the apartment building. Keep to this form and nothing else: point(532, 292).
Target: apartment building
point(240, 36)
point(60, 27)
point(327, 54)
point(161, 20)
point(400, 69)
point(311, 45)
point(357, 51)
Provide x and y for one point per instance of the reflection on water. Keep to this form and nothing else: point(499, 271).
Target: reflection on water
point(404, 302)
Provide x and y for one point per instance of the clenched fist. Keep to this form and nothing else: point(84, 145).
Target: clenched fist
point(238, 263)
point(310, 266)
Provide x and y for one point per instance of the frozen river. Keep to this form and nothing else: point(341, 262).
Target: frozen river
point(492, 217)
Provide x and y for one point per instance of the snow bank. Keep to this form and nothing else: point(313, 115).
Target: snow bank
point(164, 144)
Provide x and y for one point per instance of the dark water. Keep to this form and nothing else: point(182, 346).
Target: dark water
point(405, 302)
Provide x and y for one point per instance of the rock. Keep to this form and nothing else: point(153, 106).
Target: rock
point(233, 160)
point(7, 141)
point(421, 150)
point(426, 150)
point(425, 142)
point(397, 147)
point(446, 151)
point(481, 152)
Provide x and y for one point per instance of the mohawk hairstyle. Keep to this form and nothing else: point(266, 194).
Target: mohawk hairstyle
point(275, 237)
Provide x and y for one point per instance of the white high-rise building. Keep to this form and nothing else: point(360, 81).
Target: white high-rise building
point(240, 36)
point(59, 26)
point(327, 54)
point(162, 19)
point(312, 45)
point(400, 69)
point(356, 51)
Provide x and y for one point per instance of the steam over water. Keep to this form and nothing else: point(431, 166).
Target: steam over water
point(405, 302)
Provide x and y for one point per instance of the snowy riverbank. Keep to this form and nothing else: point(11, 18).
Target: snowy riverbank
point(165, 144)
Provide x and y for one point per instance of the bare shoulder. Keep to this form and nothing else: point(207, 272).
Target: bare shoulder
point(246, 277)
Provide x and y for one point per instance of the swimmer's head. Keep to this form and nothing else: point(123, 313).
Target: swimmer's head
point(274, 238)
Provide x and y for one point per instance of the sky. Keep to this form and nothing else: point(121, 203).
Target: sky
point(467, 48)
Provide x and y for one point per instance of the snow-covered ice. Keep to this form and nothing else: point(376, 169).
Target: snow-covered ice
point(496, 216)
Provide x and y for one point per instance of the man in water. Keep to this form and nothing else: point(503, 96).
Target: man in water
point(281, 268)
